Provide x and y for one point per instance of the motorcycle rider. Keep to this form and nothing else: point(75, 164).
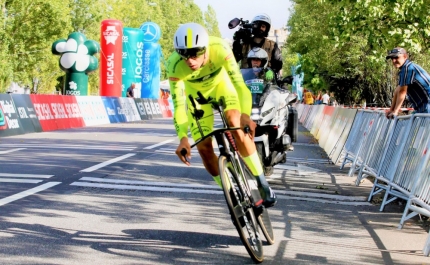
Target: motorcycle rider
point(261, 27)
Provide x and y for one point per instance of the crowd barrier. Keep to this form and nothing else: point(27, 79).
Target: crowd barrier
point(23, 113)
point(396, 152)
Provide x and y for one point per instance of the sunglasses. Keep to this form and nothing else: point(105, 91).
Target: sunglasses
point(192, 53)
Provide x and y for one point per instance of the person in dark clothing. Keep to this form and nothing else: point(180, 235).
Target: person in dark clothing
point(130, 92)
point(259, 39)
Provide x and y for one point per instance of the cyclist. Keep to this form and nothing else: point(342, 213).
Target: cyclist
point(206, 64)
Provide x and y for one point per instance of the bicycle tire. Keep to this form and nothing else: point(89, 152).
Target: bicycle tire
point(244, 219)
point(264, 218)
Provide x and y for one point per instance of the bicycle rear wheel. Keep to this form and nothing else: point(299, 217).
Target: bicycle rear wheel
point(241, 211)
point(264, 218)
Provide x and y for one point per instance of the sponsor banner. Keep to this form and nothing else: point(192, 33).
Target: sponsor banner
point(9, 118)
point(132, 58)
point(151, 60)
point(148, 108)
point(93, 110)
point(111, 58)
point(165, 108)
point(57, 112)
point(327, 113)
point(141, 108)
point(112, 109)
point(341, 132)
point(172, 109)
point(156, 110)
point(130, 110)
point(26, 113)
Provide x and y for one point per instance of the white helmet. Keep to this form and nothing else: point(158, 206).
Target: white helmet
point(263, 17)
point(258, 53)
point(191, 35)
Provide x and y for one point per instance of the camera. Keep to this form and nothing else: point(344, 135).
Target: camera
point(244, 34)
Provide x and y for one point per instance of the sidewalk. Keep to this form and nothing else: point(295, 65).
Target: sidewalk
point(317, 178)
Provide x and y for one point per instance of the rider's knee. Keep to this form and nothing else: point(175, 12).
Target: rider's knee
point(233, 118)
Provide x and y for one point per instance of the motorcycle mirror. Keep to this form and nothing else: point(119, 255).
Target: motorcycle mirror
point(233, 23)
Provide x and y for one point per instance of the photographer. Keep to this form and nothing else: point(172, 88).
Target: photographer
point(255, 35)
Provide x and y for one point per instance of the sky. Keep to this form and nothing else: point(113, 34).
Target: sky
point(226, 10)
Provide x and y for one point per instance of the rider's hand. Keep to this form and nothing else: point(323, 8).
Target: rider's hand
point(390, 114)
point(269, 75)
point(245, 120)
point(184, 144)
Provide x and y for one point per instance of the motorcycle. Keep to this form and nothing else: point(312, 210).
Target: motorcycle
point(271, 109)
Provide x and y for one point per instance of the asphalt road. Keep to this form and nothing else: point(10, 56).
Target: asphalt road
point(117, 194)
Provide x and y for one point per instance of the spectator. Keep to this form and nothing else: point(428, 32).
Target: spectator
point(318, 98)
point(130, 91)
point(325, 98)
point(308, 98)
point(414, 83)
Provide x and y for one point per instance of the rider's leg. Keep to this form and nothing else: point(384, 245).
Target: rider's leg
point(246, 148)
point(210, 159)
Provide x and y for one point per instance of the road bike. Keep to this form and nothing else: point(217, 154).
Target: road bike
point(239, 185)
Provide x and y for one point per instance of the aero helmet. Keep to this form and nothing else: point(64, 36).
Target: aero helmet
point(262, 18)
point(190, 40)
point(258, 53)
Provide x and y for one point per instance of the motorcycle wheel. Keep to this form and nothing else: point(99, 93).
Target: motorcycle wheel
point(268, 170)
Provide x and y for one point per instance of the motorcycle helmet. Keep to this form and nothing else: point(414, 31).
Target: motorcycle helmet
point(258, 53)
point(191, 40)
point(257, 21)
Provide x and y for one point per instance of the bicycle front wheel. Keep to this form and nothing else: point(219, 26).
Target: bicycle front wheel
point(241, 211)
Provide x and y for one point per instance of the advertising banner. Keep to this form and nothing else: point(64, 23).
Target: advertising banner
point(111, 58)
point(141, 108)
point(132, 60)
point(151, 60)
point(165, 108)
point(9, 118)
point(93, 110)
point(57, 112)
point(129, 108)
point(27, 115)
point(147, 106)
point(156, 111)
point(111, 105)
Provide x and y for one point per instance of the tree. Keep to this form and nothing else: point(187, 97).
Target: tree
point(211, 22)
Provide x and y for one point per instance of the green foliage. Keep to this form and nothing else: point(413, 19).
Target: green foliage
point(343, 45)
point(29, 27)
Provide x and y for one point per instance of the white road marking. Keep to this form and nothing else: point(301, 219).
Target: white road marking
point(198, 188)
point(26, 193)
point(10, 151)
point(25, 175)
point(85, 147)
point(20, 180)
point(98, 166)
point(156, 145)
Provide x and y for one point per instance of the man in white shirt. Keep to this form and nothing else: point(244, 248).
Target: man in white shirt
point(325, 98)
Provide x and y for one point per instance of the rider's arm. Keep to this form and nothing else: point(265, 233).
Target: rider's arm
point(180, 117)
point(236, 78)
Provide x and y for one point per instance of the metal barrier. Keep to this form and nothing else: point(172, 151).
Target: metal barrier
point(407, 169)
point(355, 139)
point(369, 128)
point(378, 144)
point(419, 196)
point(390, 158)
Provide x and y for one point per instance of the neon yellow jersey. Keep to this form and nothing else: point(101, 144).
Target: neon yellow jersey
point(221, 65)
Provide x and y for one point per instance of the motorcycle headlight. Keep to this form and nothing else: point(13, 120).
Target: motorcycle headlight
point(255, 111)
point(267, 112)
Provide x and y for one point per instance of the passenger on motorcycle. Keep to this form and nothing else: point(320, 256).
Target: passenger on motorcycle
point(206, 64)
point(258, 58)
